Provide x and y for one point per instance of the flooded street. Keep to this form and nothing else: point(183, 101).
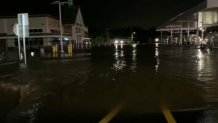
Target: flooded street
point(137, 82)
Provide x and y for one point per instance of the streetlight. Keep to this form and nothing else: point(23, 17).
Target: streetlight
point(60, 19)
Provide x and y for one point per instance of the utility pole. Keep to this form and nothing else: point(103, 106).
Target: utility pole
point(107, 36)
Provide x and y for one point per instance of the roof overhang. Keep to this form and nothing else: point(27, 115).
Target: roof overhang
point(188, 20)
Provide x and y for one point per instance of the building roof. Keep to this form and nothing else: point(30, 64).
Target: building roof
point(69, 14)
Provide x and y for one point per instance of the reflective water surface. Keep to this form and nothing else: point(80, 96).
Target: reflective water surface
point(86, 87)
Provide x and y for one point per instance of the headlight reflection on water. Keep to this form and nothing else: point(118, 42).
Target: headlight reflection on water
point(206, 75)
point(120, 63)
point(200, 60)
point(120, 58)
point(157, 58)
point(134, 60)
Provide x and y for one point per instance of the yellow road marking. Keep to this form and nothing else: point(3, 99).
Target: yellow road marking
point(111, 114)
point(169, 117)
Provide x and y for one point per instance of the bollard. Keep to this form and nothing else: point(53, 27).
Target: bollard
point(53, 50)
point(56, 48)
point(69, 48)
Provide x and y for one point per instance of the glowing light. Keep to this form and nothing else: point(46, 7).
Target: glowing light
point(66, 39)
point(134, 45)
point(32, 54)
point(157, 39)
point(121, 42)
point(200, 39)
point(116, 41)
point(202, 29)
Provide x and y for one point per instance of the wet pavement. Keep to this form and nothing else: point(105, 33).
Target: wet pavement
point(141, 80)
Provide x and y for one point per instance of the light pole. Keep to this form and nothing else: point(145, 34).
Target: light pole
point(60, 19)
point(132, 37)
point(107, 29)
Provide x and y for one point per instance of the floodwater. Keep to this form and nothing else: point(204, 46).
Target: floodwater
point(140, 82)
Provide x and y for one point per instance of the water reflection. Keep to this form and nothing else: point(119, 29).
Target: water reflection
point(124, 54)
point(121, 46)
point(27, 106)
point(206, 75)
point(200, 60)
point(209, 116)
point(205, 66)
point(134, 59)
point(120, 62)
point(157, 57)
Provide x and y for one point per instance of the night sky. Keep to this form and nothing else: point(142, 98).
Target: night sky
point(108, 13)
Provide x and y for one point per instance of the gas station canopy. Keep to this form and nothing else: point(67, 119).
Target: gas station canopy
point(201, 16)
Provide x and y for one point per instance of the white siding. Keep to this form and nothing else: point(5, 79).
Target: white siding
point(210, 18)
point(212, 3)
point(9, 25)
point(10, 43)
point(2, 26)
point(38, 23)
point(53, 24)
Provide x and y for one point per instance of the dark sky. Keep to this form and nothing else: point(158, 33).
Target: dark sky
point(108, 13)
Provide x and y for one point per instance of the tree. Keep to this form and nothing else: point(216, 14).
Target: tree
point(99, 40)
